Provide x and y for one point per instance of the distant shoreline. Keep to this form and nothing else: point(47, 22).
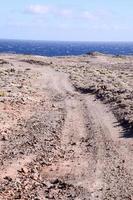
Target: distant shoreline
point(93, 54)
point(62, 48)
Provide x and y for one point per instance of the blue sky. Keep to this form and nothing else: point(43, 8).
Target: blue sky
point(69, 20)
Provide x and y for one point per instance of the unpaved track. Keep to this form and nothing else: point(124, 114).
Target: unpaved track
point(95, 161)
point(96, 157)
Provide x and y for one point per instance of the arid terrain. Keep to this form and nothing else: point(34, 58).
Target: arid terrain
point(66, 127)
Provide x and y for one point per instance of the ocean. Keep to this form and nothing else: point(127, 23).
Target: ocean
point(55, 48)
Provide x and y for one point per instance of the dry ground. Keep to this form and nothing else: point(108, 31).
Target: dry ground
point(57, 139)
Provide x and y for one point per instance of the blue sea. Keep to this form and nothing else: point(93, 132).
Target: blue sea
point(53, 48)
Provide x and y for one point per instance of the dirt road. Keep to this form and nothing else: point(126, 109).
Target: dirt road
point(69, 146)
point(96, 158)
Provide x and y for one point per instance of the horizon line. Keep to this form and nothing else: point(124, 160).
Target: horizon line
point(41, 40)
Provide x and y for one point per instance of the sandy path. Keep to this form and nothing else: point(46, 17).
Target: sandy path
point(91, 159)
point(96, 157)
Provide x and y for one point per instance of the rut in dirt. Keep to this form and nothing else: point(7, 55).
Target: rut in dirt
point(70, 148)
point(96, 159)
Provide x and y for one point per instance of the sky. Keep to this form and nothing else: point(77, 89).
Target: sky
point(67, 20)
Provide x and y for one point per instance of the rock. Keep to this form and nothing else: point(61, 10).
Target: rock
point(8, 178)
point(94, 53)
point(4, 138)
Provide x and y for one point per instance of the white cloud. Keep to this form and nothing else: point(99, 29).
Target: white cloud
point(46, 9)
point(99, 15)
point(96, 16)
point(66, 12)
point(88, 15)
point(38, 9)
